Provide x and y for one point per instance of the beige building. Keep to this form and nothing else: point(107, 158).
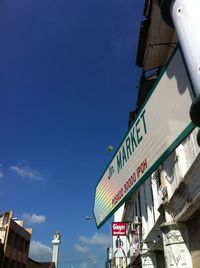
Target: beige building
point(34, 264)
point(15, 242)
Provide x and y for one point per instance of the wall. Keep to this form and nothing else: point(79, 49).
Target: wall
point(194, 238)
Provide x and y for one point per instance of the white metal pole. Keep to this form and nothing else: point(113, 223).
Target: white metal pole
point(184, 15)
point(186, 19)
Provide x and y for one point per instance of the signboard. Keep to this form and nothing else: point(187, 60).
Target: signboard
point(119, 239)
point(163, 122)
point(118, 228)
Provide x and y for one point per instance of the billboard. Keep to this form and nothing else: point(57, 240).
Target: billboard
point(119, 239)
point(162, 123)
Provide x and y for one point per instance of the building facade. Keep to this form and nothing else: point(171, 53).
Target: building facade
point(34, 264)
point(15, 242)
point(163, 215)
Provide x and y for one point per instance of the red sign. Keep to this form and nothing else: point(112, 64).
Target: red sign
point(118, 228)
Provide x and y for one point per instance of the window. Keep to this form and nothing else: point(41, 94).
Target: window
point(136, 213)
point(13, 264)
point(139, 203)
point(157, 178)
point(16, 241)
point(6, 263)
point(27, 243)
point(21, 245)
point(19, 265)
point(10, 238)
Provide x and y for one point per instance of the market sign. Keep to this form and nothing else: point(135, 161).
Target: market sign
point(161, 125)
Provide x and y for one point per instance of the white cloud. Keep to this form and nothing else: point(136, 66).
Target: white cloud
point(81, 249)
point(91, 262)
point(96, 239)
point(84, 265)
point(39, 250)
point(34, 218)
point(27, 172)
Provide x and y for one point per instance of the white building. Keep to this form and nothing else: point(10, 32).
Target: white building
point(163, 215)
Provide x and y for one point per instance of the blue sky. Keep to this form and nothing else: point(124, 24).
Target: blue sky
point(67, 83)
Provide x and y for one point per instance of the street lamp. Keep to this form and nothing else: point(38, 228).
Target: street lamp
point(92, 218)
point(89, 218)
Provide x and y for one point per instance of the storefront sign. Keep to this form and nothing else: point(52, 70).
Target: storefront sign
point(118, 228)
point(119, 239)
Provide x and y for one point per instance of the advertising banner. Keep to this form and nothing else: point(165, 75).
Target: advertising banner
point(160, 126)
point(119, 239)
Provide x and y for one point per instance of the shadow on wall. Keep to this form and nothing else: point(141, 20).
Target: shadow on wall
point(177, 69)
